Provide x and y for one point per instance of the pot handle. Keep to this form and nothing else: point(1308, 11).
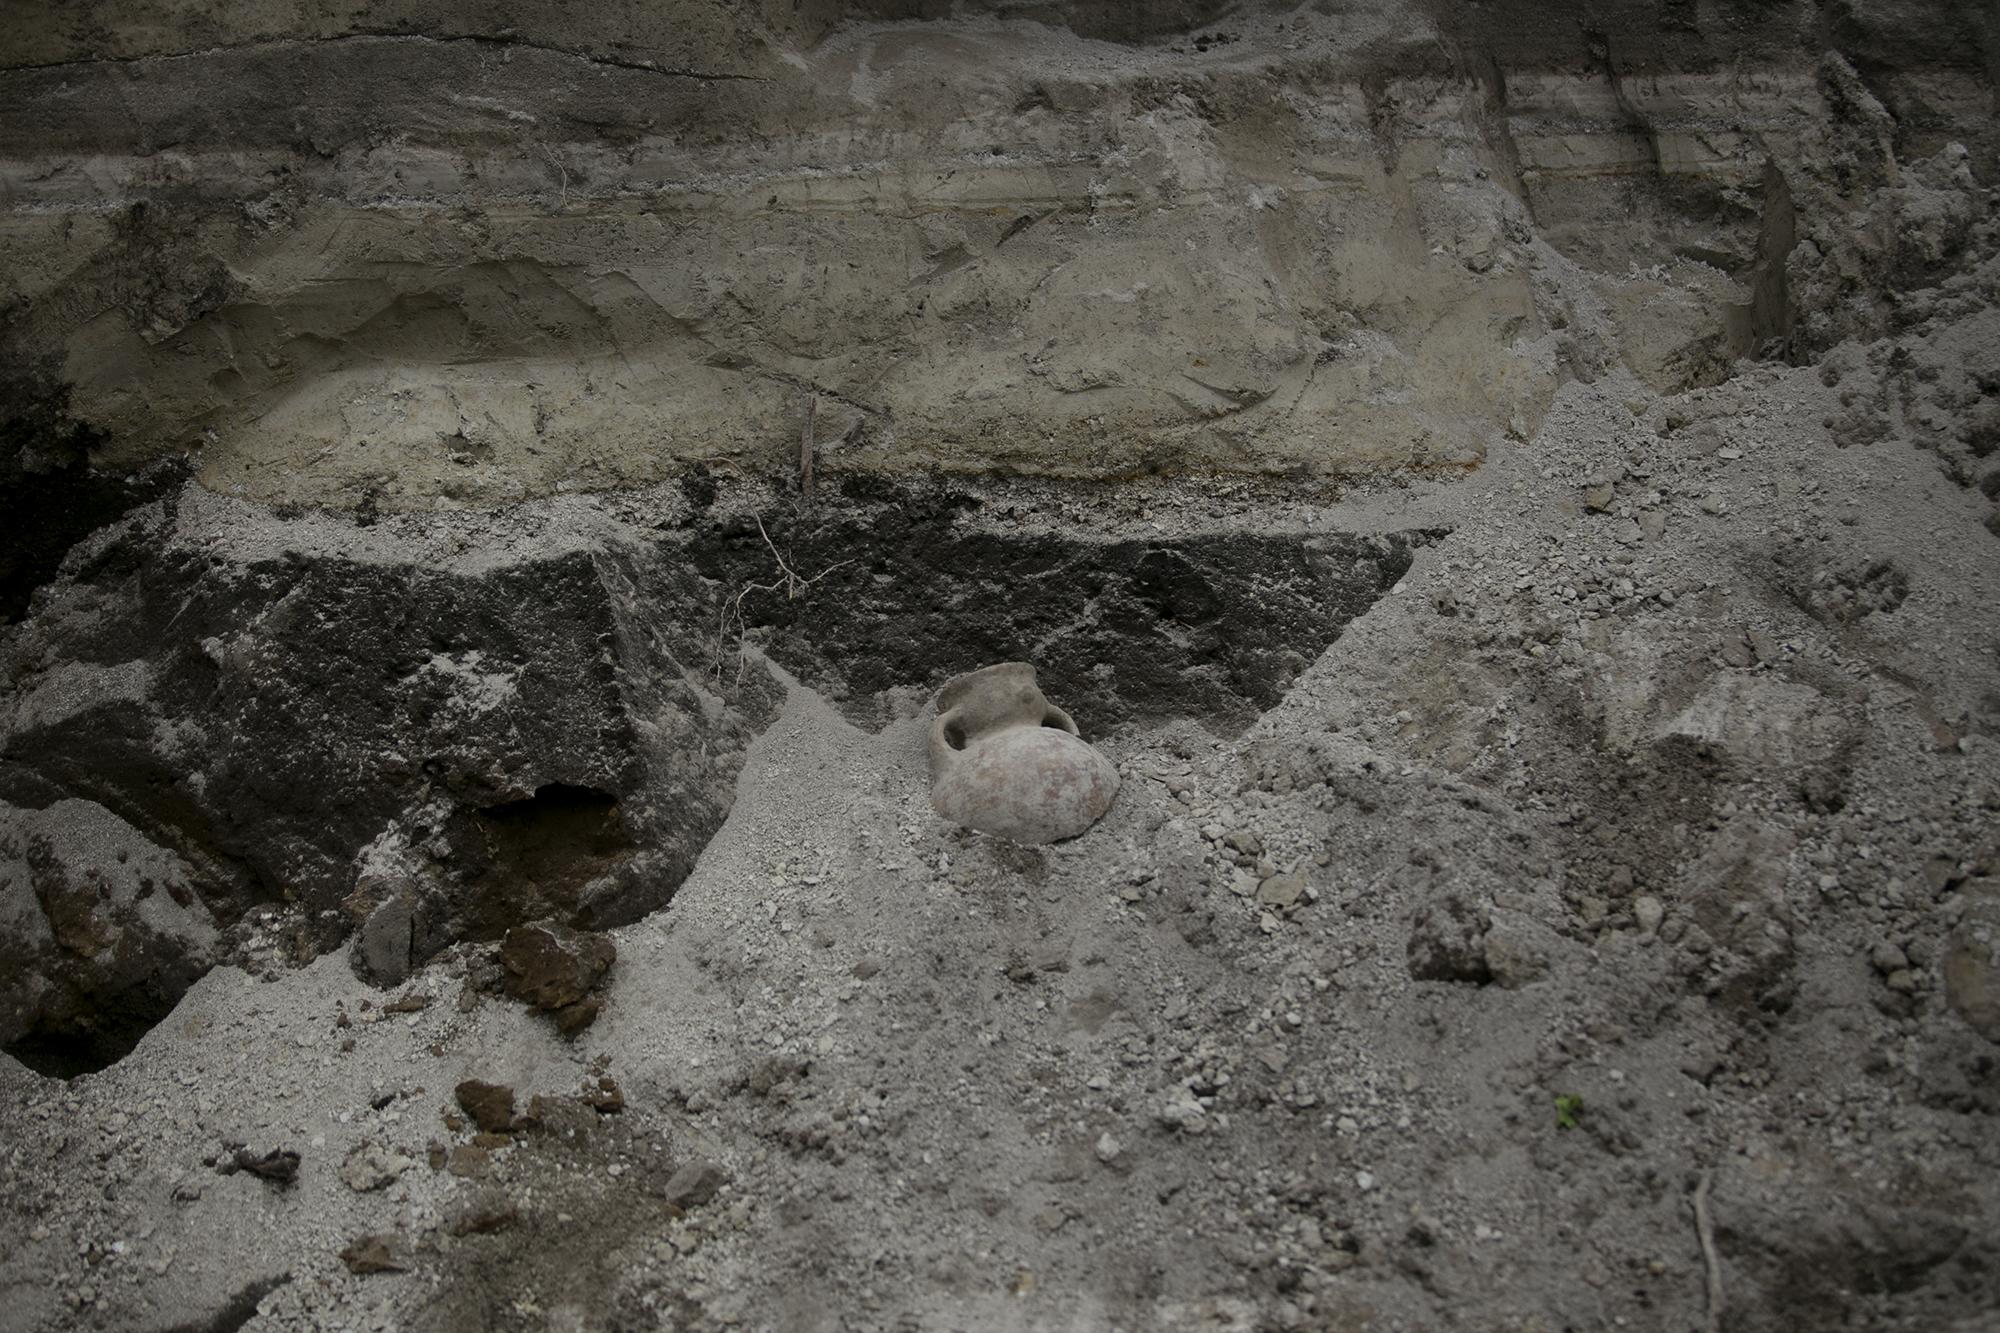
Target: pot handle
point(942, 750)
point(1055, 717)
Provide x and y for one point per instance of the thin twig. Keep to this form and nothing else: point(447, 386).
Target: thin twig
point(1704, 1228)
point(792, 585)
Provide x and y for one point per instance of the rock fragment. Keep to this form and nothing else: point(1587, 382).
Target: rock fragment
point(1942, 874)
point(695, 1184)
point(381, 954)
point(1245, 843)
point(1183, 1111)
point(1972, 962)
point(102, 933)
point(370, 1168)
point(1281, 890)
point(1886, 958)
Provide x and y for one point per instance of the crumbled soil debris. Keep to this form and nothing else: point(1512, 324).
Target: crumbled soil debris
point(369, 1167)
point(469, 1161)
point(483, 1214)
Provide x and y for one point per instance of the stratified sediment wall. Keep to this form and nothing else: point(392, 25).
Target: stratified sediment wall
point(400, 258)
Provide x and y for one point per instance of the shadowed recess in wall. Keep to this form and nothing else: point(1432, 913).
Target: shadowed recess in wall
point(538, 854)
point(1207, 627)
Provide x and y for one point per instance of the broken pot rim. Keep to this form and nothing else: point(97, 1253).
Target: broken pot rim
point(954, 690)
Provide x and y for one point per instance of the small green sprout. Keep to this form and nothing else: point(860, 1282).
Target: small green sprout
point(1568, 1107)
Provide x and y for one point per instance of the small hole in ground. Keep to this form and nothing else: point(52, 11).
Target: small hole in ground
point(96, 1042)
point(534, 856)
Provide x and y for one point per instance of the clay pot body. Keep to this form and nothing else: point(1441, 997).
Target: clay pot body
point(1006, 761)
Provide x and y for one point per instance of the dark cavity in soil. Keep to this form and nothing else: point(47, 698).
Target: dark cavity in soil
point(1213, 628)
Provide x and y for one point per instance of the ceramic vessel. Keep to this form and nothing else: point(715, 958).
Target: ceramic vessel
point(1006, 761)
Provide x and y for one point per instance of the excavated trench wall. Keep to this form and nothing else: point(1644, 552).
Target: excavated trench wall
point(426, 740)
point(401, 258)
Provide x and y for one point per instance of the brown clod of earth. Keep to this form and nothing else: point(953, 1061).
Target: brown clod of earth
point(491, 1105)
point(604, 1096)
point(574, 1018)
point(554, 967)
point(280, 1165)
point(373, 1254)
